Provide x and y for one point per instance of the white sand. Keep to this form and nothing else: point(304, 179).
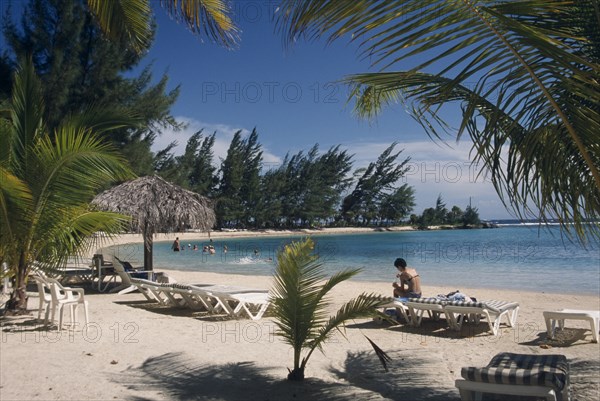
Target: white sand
point(136, 350)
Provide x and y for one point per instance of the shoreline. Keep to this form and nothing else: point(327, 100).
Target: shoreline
point(132, 238)
point(432, 290)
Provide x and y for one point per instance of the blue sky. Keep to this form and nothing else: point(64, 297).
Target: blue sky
point(291, 96)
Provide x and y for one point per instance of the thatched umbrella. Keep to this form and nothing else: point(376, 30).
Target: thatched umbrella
point(156, 205)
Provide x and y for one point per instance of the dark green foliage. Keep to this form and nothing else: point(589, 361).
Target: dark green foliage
point(397, 205)
point(306, 188)
point(79, 68)
point(238, 193)
point(441, 216)
point(371, 192)
point(470, 217)
point(304, 191)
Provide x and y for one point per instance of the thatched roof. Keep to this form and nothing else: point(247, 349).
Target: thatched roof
point(162, 206)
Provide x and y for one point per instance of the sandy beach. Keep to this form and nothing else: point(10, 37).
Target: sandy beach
point(133, 349)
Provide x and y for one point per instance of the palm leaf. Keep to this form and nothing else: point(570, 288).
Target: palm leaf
point(516, 158)
point(47, 182)
point(525, 63)
point(210, 17)
point(132, 20)
point(299, 298)
point(365, 305)
point(125, 19)
point(384, 358)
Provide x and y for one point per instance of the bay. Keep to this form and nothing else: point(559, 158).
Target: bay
point(513, 257)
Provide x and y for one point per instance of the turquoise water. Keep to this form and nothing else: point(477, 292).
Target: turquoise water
point(512, 257)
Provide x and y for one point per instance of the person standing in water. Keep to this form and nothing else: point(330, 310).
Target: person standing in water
point(176, 247)
point(410, 282)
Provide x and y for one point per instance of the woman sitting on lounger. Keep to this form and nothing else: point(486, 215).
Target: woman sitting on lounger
point(410, 282)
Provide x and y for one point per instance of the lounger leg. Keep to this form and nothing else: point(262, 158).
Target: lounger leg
point(594, 325)
point(454, 320)
point(48, 306)
point(40, 308)
point(550, 327)
point(85, 312)
point(466, 395)
point(417, 317)
point(513, 317)
point(127, 290)
point(60, 317)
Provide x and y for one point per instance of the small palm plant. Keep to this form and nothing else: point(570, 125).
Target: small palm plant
point(300, 303)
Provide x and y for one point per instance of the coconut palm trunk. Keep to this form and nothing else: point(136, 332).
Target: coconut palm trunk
point(18, 298)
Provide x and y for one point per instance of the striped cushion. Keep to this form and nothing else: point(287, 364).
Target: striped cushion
point(177, 286)
point(435, 301)
point(508, 368)
point(492, 304)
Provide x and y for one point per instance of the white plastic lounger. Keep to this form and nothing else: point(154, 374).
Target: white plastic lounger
point(552, 317)
point(126, 276)
point(545, 376)
point(193, 297)
point(492, 310)
point(418, 306)
point(401, 308)
point(252, 304)
point(151, 290)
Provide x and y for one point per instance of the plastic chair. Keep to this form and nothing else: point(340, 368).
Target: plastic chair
point(66, 296)
point(45, 296)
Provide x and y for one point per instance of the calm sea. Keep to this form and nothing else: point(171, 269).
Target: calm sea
point(511, 257)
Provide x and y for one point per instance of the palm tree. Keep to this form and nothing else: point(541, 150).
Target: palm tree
point(525, 74)
point(300, 303)
point(132, 19)
point(47, 180)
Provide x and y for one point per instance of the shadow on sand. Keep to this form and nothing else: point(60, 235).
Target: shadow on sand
point(176, 377)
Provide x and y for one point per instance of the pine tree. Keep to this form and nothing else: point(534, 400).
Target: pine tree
point(79, 68)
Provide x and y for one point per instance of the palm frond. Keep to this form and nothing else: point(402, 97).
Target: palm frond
point(365, 305)
point(129, 19)
point(296, 292)
point(528, 182)
point(211, 17)
point(70, 232)
point(15, 200)
point(26, 113)
point(526, 64)
point(384, 358)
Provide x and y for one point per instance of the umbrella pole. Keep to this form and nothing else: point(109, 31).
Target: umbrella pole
point(148, 244)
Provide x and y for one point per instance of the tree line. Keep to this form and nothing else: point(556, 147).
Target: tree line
point(441, 216)
point(306, 190)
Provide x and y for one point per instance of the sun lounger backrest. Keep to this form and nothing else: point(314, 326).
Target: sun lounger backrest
point(508, 368)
